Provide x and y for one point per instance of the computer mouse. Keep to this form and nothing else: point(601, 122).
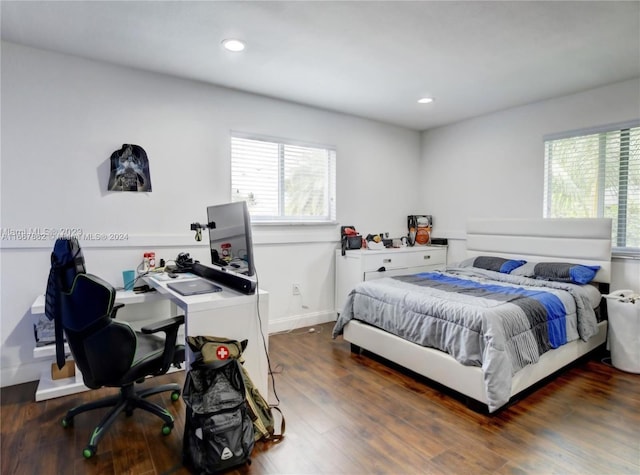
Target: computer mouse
point(173, 275)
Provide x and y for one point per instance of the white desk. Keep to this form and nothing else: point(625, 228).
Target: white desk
point(225, 314)
point(228, 314)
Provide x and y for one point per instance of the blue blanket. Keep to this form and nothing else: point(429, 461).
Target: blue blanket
point(548, 318)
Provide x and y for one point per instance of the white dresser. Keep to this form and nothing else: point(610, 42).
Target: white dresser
point(364, 264)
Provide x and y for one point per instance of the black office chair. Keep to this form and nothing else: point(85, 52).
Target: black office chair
point(108, 352)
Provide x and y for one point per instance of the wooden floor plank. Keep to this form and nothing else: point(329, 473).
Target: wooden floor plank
point(352, 414)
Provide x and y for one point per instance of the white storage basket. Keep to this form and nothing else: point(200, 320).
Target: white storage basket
point(624, 330)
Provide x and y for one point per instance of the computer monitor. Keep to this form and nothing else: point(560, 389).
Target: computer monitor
point(230, 240)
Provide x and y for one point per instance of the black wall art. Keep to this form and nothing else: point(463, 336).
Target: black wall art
point(129, 169)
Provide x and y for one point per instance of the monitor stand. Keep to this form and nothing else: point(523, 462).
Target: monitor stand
point(235, 282)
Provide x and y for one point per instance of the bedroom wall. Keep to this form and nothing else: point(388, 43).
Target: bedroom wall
point(493, 165)
point(63, 116)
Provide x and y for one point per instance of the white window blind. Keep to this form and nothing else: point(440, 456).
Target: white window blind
point(597, 174)
point(283, 182)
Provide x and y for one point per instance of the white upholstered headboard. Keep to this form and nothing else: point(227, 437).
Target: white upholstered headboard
point(575, 240)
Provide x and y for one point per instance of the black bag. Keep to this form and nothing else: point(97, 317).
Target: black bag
point(218, 432)
point(350, 238)
point(206, 349)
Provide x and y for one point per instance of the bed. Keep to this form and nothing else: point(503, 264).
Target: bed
point(488, 351)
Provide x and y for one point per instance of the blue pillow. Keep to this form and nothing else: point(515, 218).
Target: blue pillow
point(583, 274)
point(497, 264)
point(510, 265)
point(566, 272)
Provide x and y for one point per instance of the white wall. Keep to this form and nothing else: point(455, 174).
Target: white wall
point(493, 165)
point(63, 116)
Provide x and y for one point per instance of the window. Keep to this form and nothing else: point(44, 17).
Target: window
point(596, 173)
point(283, 182)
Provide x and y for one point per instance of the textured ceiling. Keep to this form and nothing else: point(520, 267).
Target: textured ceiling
point(370, 59)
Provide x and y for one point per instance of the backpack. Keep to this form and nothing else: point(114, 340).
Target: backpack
point(260, 411)
point(218, 432)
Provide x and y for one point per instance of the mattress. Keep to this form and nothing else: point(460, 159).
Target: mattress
point(496, 321)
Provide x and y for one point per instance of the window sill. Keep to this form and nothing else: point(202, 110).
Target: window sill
point(625, 255)
point(293, 223)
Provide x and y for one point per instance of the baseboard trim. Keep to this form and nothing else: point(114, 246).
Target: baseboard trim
point(299, 321)
point(25, 373)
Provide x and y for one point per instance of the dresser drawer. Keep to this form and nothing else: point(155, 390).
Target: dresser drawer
point(371, 275)
point(426, 257)
point(374, 260)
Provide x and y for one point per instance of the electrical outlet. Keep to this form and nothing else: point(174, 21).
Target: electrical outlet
point(295, 289)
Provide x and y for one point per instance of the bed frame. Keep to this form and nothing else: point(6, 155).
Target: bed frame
point(586, 241)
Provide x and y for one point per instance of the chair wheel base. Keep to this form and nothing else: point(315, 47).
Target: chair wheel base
point(89, 451)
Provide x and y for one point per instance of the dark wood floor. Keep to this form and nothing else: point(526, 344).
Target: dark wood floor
point(355, 415)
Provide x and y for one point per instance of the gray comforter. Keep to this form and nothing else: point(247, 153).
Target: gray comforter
point(481, 318)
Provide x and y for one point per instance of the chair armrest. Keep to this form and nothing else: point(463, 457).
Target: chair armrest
point(170, 327)
point(163, 325)
point(115, 309)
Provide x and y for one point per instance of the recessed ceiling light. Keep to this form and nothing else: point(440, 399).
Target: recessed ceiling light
point(425, 100)
point(233, 45)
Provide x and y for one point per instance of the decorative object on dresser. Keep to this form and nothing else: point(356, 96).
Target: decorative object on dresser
point(419, 227)
point(349, 238)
